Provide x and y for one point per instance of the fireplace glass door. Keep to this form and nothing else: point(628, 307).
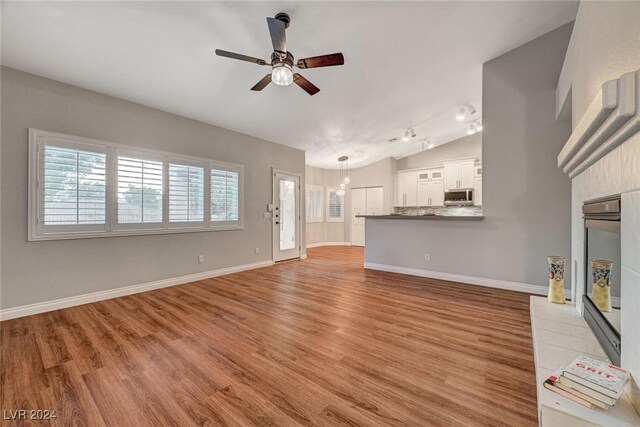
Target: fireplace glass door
point(604, 245)
point(601, 298)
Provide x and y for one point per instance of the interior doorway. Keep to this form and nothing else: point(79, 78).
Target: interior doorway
point(286, 216)
point(364, 201)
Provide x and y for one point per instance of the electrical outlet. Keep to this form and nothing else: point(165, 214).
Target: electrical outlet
point(427, 257)
point(257, 251)
point(200, 258)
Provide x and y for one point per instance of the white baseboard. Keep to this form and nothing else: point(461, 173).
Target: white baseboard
point(491, 283)
point(42, 307)
point(316, 245)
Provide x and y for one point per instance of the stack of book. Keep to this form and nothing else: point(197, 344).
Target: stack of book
point(589, 382)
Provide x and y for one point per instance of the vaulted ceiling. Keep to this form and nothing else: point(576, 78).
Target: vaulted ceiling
point(406, 63)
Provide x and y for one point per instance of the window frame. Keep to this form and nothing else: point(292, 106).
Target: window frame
point(37, 231)
point(314, 188)
point(328, 205)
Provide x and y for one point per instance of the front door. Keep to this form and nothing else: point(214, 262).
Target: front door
point(286, 217)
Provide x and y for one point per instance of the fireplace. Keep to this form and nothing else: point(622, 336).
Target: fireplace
point(601, 298)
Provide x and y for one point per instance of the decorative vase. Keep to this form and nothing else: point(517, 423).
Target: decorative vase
point(556, 279)
point(602, 270)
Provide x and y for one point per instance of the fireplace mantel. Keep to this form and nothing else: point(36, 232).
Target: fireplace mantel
point(612, 118)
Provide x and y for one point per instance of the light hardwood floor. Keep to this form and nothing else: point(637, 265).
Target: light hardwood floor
point(315, 342)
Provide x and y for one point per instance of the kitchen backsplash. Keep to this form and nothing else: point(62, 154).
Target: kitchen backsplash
point(441, 210)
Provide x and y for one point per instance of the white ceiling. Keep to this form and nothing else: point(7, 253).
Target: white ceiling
point(406, 63)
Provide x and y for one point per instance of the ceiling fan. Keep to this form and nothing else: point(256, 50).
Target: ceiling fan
point(282, 61)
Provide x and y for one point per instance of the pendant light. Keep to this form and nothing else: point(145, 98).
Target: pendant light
point(344, 176)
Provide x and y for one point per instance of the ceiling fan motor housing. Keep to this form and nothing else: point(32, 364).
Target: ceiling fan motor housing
point(276, 59)
point(284, 17)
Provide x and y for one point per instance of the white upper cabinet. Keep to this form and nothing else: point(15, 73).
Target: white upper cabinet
point(451, 175)
point(431, 193)
point(459, 173)
point(419, 188)
point(405, 189)
point(437, 193)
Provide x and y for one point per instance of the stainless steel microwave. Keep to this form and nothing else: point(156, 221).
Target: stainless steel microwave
point(459, 197)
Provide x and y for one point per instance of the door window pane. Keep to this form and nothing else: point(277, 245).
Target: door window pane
point(288, 219)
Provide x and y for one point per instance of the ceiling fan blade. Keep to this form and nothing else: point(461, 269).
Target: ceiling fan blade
point(305, 84)
point(321, 61)
point(262, 83)
point(278, 38)
point(232, 55)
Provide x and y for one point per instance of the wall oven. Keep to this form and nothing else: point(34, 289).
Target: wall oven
point(601, 297)
point(459, 197)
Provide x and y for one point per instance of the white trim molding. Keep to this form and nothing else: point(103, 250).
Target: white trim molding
point(42, 307)
point(319, 244)
point(491, 283)
point(612, 118)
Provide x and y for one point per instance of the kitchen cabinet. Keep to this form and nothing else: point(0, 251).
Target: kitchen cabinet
point(406, 189)
point(431, 193)
point(459, 174)
point(477, 191)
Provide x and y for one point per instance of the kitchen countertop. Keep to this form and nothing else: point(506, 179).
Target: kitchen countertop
point(441, 217)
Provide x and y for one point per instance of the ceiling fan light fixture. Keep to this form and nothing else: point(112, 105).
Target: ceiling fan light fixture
point(282, 75)
point(479, 126)
point(461, 114)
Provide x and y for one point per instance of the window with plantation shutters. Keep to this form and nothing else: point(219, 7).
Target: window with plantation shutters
point(335, 208)
point(314, 205)
point(72, 186)
point(225, 192)
point(186, 193)
point(140, 190)
point(83, 188)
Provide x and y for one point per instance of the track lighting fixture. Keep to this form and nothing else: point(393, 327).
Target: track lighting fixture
point(408, 134)
point(466, 110)
point(427, 144)
point(474, 127)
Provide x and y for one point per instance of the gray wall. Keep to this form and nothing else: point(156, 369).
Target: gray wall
point(526, 197)
point(466, 146)
point(42, 271)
